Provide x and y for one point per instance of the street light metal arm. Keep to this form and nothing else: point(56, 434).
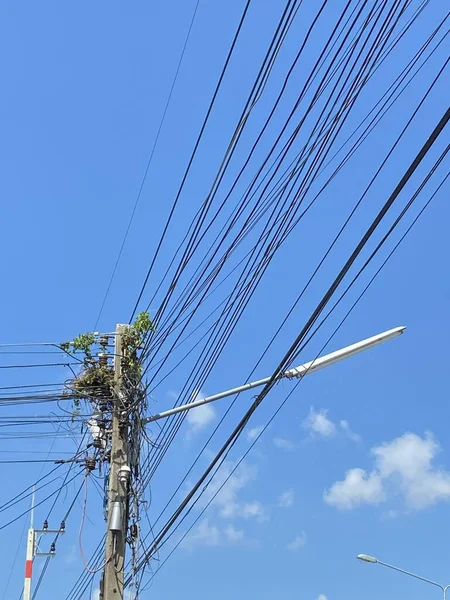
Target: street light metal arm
point(297, 373)
point(411, 574)
point(372, 560)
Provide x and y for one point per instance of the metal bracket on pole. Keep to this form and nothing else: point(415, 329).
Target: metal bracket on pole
point(40, 532)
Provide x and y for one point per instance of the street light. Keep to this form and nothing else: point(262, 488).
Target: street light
point(295, 373)
point(371, 559)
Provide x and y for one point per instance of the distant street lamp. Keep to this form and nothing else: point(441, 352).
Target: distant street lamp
point(371, 559)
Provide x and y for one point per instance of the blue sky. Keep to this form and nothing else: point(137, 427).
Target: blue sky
point(358, 459)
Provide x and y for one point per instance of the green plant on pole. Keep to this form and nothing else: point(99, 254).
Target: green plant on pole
point(96, 380)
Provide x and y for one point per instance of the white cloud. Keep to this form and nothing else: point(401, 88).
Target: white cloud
point(200, 417)
point(254, 432)
point(318, 423)
point(283, 444)
point(72, 556)
point(389, 514)
point(297, 543)
point(354, 437)
point(321, 597)
point(357, 488)
point(253, 510)
point(208, 535)
point(203, 535)
point(402, 467)
point(227, 500)
point(286, 500)
point(321, 426)
point(233, 534)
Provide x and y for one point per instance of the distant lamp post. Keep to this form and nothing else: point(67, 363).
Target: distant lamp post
point(371, 559)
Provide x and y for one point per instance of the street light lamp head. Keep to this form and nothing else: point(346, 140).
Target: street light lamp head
point(366, 558)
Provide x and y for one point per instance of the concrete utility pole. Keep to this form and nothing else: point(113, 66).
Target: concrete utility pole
point(112, 588)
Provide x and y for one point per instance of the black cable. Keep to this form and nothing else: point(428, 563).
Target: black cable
point(323, 347)
point(38, 365)
point(94, 562)
point(37, 460)
point(374, 121)
point(30, 487)
point(309, 80)
point(232, 438)
point(149, 162)
point(366, 263)
point(383, 240)
point(45, 567)
point(184, 259)
point(344, 41)
point(194, 152)
point(404, 180)
point(287, 17)
point(39, 503)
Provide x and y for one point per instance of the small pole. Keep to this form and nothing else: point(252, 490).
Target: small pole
point(30, 553)
point(33, 501)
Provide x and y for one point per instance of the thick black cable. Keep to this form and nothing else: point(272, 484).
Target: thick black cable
point(373, 123)
point(295, 387)
point(259, 84)
point(365, 238)
point(344, 41)
point(366, 263)
point(313, 24)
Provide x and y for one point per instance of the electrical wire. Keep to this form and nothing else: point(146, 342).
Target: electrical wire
point(47, 562)
point(194, 152)
point(200, 301)
point(39, 503)
point(242, 458)
point(232, 438)
point(149, 162)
